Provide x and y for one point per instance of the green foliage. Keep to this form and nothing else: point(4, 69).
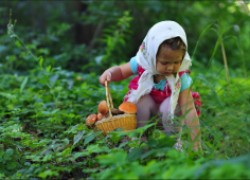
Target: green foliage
point(114, 34)
point(114, 40)
point(45, 99)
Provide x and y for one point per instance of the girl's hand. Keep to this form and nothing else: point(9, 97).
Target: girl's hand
point(116, 73)
point(106, 76)
point(178, 145)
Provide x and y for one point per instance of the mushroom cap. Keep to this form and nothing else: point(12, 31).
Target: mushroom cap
point(103, 107)
point(91, 119)
point(99, 116)
point(115, 111)
point(128, 107)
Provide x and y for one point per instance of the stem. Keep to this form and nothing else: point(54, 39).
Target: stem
point(25, 48)
point(225, 60)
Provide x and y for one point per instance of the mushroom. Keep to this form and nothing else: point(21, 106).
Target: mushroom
point(128, 107)
point(91, 119)
point(103, 107)
point(115, 111)
point(100, 116)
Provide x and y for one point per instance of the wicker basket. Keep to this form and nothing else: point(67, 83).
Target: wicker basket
point(126, 121)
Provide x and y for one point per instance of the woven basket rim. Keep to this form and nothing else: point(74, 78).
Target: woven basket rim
point(115, 117)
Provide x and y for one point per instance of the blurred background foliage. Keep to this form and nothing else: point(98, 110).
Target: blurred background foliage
point(91, 35)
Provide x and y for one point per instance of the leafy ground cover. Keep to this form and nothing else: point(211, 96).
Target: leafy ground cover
point(43, 132)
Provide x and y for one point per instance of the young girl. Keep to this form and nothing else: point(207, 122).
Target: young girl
point(162, 85)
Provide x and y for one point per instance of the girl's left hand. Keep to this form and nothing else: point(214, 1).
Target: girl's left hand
point(178, 145)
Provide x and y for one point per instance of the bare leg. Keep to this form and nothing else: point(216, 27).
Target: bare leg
point(165, 109)
point(166, 120)
point(146, 106)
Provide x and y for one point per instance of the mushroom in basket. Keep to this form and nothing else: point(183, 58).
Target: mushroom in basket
point(103, 108)
point(125, 107)
point(128, 107)
point(91, 119)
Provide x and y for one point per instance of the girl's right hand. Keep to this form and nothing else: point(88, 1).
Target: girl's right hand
point(106, 76)
point(116, 73)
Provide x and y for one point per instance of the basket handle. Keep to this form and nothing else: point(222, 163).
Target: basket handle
point(109, 99)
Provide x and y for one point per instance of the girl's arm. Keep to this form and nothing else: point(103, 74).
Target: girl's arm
point(186, 103)
point(116, 73)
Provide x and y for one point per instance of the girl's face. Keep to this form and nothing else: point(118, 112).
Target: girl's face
point(168, 61)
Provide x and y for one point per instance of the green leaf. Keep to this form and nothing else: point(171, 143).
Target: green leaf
point(96, 148)
point(113, 158)
point(89, 138)
point(135, 154)
point(12, 165)
point(41, 60)
point(23, 84)
point(47, 173)
point(8, 95)
point(78, 137)
point(66, 152)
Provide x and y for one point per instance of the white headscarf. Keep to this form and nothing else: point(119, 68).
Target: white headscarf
point(146, 58)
